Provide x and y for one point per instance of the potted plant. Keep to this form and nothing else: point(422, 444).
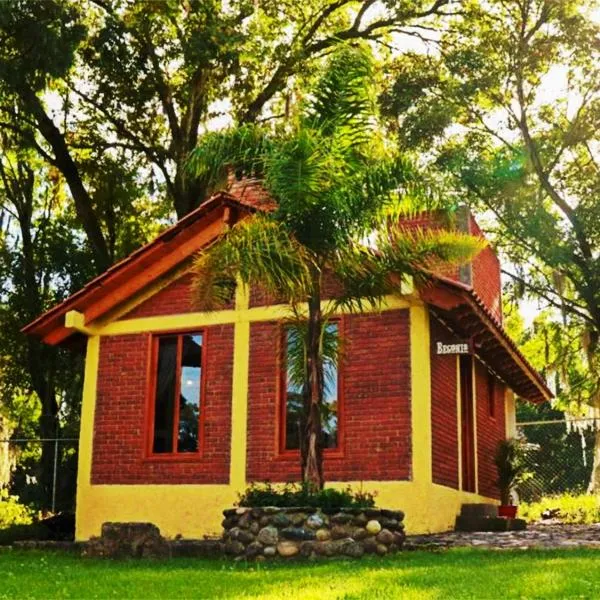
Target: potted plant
point(512, 470)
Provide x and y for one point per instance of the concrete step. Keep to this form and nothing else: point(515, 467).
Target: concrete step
point(479, 510)
point(464, 523)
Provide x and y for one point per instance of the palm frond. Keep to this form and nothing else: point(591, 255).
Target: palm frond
point(241, 149)
point(418, 251)
point(368, 274)
point(344, 96)
point(257, 251)
point(330, 349)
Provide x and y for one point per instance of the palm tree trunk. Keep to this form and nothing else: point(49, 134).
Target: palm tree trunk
point(312, 444)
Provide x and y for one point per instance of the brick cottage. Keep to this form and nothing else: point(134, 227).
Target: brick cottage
point(423, 393)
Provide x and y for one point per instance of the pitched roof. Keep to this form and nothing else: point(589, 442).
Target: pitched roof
point(133, 273)
point(460, 308)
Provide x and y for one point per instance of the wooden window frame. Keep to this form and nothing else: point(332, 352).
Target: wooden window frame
point(153, 345)
point(281, 416)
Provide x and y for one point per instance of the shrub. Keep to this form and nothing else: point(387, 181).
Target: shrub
point(293, 494)
point(12, 512)
point(568, 508)
point(511, 466)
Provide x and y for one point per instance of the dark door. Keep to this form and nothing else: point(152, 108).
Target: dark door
point(467, 424)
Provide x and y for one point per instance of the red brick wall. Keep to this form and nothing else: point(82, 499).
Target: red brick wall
point(490, 430)
point(121, 404)
point(375, 388)
point(175, 298)
point(331, 288)
point(486, 276)
point(444, 433)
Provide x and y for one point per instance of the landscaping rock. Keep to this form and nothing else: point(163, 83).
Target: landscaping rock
point(370, 545)
point(297, 533)
point(307, 549)
point(390, 524)
point(314, 521)
point(385, 536)
point(397, 515)
point(373, 527)
point(323, 535)
point(254, 549)
point(234, 547)
point(341, 518)
point(353, 549)
point(381, 549)
point(229, 522)
point(268, 535)
point(360, 533)
point(298, 519)
point(281, 520)
point(360, 520)
point(129, 540)
point(270, 551)
point(287, 549)
point(244, 520)
point(339, 532)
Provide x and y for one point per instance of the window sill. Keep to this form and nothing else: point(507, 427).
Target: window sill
point(169, 458)
point(295, 454)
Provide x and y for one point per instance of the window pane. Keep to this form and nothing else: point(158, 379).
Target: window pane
point(294, 408)
point(329, 409)
point(293, 417)
point(189, 397)
point(165, 395)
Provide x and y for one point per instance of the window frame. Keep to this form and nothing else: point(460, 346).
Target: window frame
point(151, 378)
point(281, 417)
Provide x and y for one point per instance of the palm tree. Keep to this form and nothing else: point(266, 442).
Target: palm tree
point(340, 194)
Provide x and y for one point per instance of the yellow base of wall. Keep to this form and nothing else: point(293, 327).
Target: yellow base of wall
point(193, 511)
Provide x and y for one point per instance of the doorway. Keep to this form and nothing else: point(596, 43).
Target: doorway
point(467, 423)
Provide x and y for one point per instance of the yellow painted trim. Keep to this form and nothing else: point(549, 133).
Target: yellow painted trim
point(475, 440)
point(510, 414)
point(421, 473)
point(239, 399)
point(202, 319)
point(86, 436)
point(459, 422)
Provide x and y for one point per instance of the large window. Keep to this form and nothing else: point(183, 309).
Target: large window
point(177, 393)
point(293, 405)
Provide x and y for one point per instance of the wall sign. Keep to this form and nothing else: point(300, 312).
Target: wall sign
point(455, 348)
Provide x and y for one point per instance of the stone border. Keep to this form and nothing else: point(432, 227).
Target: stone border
point(262, 533)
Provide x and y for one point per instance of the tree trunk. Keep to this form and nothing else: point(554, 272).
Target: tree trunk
point(312, 444)
point(84, 207)
point(594, 483)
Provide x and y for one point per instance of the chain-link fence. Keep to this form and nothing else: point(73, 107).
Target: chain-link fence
point(559, 458)
point(41, 472)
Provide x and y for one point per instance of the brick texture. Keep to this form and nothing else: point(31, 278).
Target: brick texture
point(490, 430)
point(444, 418)
point(176, 298)
point(375, 398)
point(121, 403)
point(486, 279)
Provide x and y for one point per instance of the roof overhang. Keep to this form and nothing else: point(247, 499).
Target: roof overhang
point(126, 278)
point(461, 310)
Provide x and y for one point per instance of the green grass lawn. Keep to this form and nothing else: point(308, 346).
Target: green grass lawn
point(459, 573)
